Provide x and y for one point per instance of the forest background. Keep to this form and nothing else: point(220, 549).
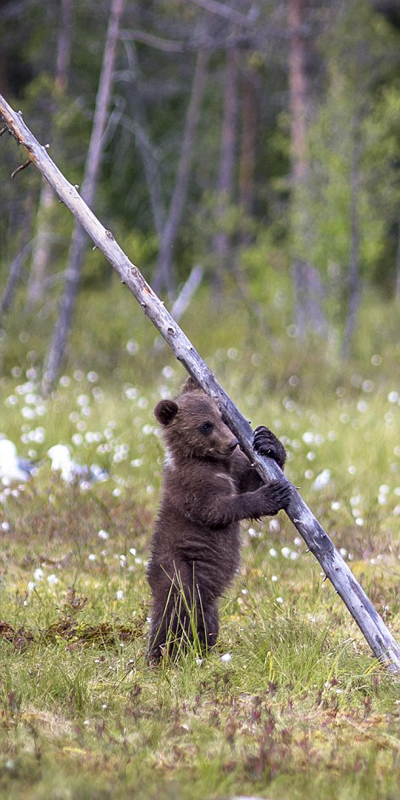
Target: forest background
point(258, 144)
point(259, 141)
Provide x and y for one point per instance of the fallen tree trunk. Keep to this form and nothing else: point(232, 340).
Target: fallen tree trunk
point(335, 568)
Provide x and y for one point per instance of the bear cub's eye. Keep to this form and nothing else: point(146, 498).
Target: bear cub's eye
point(206, 428)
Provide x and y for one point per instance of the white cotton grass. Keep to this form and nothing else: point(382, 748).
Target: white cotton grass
point(12, 467)
point(322, 479)
point(62, 462)
point(226, 658)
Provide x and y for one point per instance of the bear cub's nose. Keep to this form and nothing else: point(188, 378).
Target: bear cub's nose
point(234, 443)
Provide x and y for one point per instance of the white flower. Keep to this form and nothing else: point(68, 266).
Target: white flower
point(279, 600)
point(226, 658)
point(119, 594)
point(322, 479)
point(38, 574)
point(132, 347)
point(28, 413)
point(103, 535)
point(273, 552)
point(52, 579)
point(286, 552)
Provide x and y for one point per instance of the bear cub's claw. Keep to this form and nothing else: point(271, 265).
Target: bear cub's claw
point(277, 496)
point(267, 444)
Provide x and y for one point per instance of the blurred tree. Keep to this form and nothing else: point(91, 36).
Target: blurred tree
point(352, 195)
point(307, 284)
point(291, 157)
point(93, 162)
point(163, 275)
point(248, 138)
point(42, 245)
point(226, 170)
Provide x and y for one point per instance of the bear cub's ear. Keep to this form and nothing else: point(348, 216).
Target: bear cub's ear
point(165, 411)
point(190, 385)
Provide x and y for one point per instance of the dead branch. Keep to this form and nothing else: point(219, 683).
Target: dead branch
point(222, 10)
point(21, 167)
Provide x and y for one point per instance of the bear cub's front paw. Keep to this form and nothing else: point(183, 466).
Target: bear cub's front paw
point(276, 496)
point(267, 444)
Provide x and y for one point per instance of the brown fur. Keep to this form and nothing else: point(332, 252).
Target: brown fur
point(209, 485)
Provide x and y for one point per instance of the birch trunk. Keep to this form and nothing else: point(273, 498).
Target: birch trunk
point(89, 185)
point(140, 128)
point(163, 277)
point(354, 281)
point(227, 157)
point(248, 143)
point(363, 612)
point(42, 249)
point(299, 94)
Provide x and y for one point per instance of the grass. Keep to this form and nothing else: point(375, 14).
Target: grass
point(292, 705)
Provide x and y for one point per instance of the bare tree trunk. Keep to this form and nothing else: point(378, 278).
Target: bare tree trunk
point(163, 277)
point(140, 128)
point(377, 634)
point(227, 158)
point(298, 89)
point(92, 166)
point(248, 142)
point(354, 282)
point(25, 248)
point(14, 275)
point(183, 300)
point(42, 249)
point(64, 44)
point(398, 265)
point(41, 252)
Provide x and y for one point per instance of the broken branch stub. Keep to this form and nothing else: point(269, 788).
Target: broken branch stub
point(378, 636)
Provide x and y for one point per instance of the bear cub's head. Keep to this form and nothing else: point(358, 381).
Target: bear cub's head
point(193, 427)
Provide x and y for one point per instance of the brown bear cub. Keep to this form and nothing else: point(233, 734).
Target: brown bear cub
point(209, 485)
